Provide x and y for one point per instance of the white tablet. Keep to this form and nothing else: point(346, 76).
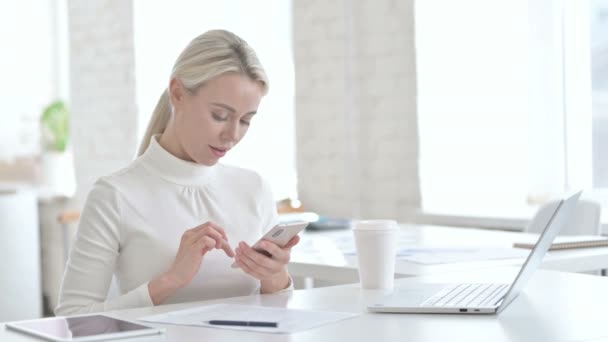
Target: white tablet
point(94, 327)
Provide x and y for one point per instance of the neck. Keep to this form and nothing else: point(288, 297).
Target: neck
point(168, 140)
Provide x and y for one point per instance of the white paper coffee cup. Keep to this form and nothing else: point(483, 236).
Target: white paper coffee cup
point(376, 244)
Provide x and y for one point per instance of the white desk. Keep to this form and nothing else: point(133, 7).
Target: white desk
point(555, 307)
point(319, 255)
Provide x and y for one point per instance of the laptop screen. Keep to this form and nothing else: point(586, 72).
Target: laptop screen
point(562, 213)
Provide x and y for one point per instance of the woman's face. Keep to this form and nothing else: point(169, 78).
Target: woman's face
point(212, 120)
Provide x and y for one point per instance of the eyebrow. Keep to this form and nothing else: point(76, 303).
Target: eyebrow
point(228, 108)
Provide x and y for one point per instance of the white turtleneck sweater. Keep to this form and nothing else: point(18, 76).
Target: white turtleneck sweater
point(133, 220)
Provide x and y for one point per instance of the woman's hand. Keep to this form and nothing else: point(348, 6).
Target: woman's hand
point(195, 243)
point(270, 270)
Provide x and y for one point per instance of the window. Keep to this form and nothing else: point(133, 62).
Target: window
point(34, 71)
point(164, 28)
point(599, 86)
point(512, 103)
point(599, 60)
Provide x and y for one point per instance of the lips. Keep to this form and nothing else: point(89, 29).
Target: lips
point(218, 152)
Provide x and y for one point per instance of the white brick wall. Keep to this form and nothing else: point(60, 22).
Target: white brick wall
point(357, 140)
point(102, 88)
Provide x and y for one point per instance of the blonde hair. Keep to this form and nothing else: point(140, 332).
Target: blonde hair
point(209, 55)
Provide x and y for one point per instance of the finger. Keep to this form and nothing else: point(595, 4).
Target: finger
point(205, 244)
point(278, 253)
point(219, 229)
point(259, 262)
point(219, 242)
point(226, 247)
point(294, 241)
point(212, 233)
point(212, 225)
point(249, 270)
point(223, 244)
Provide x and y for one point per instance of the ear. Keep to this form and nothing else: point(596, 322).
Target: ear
point(177, 92)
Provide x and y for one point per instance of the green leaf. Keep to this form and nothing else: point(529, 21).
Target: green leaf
point(55, 123)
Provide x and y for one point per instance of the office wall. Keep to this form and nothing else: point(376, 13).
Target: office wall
point(102, 88)
point(357, 140)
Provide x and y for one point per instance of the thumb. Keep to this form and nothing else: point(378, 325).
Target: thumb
point(294, 241)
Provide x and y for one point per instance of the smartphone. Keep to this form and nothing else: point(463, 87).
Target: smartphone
point(280, 235)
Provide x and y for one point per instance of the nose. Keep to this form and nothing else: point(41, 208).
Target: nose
point(231, 132)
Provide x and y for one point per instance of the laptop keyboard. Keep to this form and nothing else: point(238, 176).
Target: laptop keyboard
point(468, 295)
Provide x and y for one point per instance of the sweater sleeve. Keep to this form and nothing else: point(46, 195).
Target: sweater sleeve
point(93, 256)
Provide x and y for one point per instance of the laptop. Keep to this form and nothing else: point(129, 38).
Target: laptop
point(475, 298)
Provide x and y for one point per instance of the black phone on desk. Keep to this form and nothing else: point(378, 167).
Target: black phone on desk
point(328, 223)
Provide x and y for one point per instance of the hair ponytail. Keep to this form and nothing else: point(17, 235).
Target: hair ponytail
point(158, 122)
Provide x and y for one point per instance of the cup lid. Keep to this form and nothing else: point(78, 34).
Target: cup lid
point(375, 225)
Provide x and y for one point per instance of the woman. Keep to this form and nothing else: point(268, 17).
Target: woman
point(165, 226)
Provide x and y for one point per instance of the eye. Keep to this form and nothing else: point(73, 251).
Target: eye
point(245, 123)
point(218, 117)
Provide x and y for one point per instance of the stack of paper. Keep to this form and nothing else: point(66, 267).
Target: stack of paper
point(569, 242)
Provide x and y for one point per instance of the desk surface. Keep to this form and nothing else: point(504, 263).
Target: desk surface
point(320, 254)
point(555, 307)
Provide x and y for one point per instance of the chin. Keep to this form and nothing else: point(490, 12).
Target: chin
point(202, 159)
point(209, 161)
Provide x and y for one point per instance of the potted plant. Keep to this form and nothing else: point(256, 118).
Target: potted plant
point(55, 124)
point(57, 159)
